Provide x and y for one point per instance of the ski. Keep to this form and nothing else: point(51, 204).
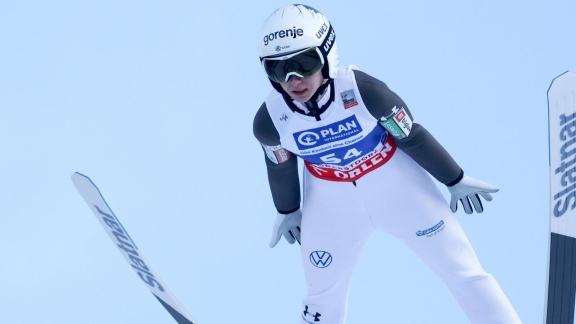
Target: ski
point(561, 276)
point(128, 248)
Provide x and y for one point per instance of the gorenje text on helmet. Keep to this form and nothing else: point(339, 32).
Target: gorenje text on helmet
point(283, 33)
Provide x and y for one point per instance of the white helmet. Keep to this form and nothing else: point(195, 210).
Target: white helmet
point(296, 28)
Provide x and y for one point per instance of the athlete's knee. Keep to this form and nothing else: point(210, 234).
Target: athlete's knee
point(464, 276)
point(473, 274)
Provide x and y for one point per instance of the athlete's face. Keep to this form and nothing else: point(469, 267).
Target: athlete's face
point(302, 89)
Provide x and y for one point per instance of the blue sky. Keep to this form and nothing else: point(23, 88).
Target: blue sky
point(154, 101)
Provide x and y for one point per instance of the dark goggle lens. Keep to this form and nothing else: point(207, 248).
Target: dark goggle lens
point(302, 64)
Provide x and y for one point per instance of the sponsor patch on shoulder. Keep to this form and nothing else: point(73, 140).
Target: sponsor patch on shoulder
point(349, 99)
point(398, 123)
point(276, 154)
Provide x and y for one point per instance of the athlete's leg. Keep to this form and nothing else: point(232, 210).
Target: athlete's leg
point(334, 231)
point(419, 216)
point(445, 248)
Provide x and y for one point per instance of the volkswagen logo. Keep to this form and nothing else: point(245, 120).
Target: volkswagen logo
point(320, 259)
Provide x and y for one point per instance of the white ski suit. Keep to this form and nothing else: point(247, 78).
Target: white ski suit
point(359, 179)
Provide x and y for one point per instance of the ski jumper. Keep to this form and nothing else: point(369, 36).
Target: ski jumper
point(360, 178)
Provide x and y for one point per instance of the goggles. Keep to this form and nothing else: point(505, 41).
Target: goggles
point(302, 64)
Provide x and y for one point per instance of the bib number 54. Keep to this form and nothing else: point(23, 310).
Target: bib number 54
point(333, 159)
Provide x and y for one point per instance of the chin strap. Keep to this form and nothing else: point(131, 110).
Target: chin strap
point(312, 104)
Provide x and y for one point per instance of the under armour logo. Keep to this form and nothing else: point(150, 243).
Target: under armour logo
point(320, 259)
point(315, 316)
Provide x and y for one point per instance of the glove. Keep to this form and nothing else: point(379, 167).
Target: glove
point(466, 191)
point(287, 225)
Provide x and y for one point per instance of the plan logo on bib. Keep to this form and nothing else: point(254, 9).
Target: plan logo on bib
point(338, 131)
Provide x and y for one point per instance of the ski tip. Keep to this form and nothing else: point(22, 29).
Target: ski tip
point(567, 73)
point(77, 174)
point(78, 178)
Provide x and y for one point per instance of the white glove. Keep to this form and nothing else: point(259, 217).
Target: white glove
point(467, 190)
point(287, 225)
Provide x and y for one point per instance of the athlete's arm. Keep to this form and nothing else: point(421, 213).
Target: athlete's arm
point(420, 145)
point(282, 166)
